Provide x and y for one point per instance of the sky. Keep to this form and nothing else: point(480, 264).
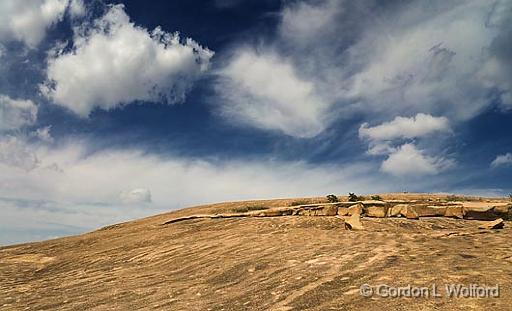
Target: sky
point(116, 110)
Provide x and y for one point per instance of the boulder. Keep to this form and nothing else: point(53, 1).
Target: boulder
point(354, 222)
point(376, 211)
point(429, 210)
point(456, 211)
point(320, 209)
point(396, 211)
point(356, 209)
point(495, 224)
point(503, 211)
point(330, 210)
point(480, 213)
point(343, 211)
point(486, 210)
point(410, 212)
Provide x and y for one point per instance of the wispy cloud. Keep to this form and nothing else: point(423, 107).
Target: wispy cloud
point(131, 184)
point(264, 90)
point(502, 160)
point(444, 59)
point(16, 113)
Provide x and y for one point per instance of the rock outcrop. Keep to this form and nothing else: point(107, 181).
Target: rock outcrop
point(353, 211)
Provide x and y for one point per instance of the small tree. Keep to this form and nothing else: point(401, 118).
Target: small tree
point(332, 198)
point(352, 197)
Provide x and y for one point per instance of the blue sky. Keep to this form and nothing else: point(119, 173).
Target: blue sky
point(111, 111)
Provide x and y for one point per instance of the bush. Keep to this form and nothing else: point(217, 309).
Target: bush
point(332, 198)
point(510, 196)
point(454, 198)
point(352, 197)
point(376, 197)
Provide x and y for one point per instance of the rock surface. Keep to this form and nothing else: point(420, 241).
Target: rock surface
point(258, 263)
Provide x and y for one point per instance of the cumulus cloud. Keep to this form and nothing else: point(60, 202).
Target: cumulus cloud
point(16, 113)
point(407, 160)
point(502, 160)
point(401, 127)
point(139, 195)
point(264, 90)
point(388, 139)
point(114, 62)
point(28, 21)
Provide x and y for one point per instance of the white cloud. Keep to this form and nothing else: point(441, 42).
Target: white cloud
point(28, 21)
point(380, 148)
point(496, 72)
point(43, 134)
point(502, 160)
point(16, 154)
point(407, 160)
point(77, 8)
point(71, 186)
point(401, 127)
point(68, 186)
point(139, 195)
point(265, 91)
point(428, 59)
point(115, 62)
point(16, 113)
point(172, 181)
point(445, 59)
point(302, 21)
